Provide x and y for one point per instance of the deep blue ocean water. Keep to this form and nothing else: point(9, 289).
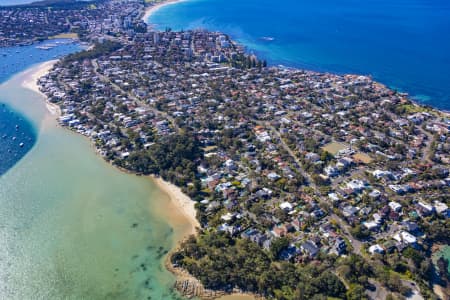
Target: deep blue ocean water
point(404, 44)
point(14, 128)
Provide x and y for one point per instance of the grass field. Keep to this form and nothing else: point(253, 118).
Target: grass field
point(334, 147)
point(363, 158)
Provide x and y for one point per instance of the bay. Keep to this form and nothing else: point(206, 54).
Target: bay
point(71, 225)
point(74, 227)
point(17, 135)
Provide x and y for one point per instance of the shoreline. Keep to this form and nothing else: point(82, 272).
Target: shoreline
point(182, 202)
point(414, 99)
point(183, 206)
point(149, 10)
point(30, 82)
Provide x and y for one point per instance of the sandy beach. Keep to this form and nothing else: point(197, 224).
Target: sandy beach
point(30, 82)
point(184, 207)
point(151, 9)
point(182, 202)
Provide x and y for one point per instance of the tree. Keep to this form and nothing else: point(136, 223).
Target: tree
point(356, 292)
point(442, 265)
point(327, 281)
point(278, 245)
point(359, 232)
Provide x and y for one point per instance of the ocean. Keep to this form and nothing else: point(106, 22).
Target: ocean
point(401, 43)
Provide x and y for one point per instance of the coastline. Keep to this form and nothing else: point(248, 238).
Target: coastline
point(84, 214)
point(183, 203)
point(149, 10)
point(31, 82)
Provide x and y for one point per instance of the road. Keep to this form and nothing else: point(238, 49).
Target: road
point(132, 97)
point(380, 292)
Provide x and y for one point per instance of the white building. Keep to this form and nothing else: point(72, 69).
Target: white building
point(376, 249)
point(405, 237)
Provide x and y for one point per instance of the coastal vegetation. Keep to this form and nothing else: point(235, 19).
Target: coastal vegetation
point(223, 263)
point(268, 174)
point(170, 157)
point(307, 185)
point(97, 50)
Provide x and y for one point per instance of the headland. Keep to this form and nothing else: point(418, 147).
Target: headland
point(299, 178)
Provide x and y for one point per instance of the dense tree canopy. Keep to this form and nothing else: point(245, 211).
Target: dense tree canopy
point(221, 262)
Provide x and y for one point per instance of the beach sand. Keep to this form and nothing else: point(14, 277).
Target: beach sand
point(181, 201)
point(30, 82)
point(183, 212)
point(152, 9)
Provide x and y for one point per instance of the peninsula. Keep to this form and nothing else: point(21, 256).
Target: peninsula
point(306, 185)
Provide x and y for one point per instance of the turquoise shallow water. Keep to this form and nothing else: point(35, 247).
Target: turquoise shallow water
point(72, 226)
point(402, 43)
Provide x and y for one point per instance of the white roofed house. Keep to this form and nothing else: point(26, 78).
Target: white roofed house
point(371, 225)
point(286, 206)
point(273, 176)
point(312, 157)
point(356, 185)
point(397, 207)
point(441, 208)
point(376, 249)
point(333, 197)
point(349, 211)
point(375, 194)
point(424, 209)
point(405, 238)
point(331, 171)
